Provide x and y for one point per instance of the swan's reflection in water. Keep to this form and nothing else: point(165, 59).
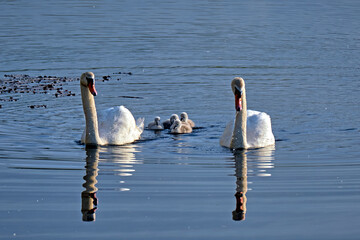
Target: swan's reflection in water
point(241, 185)
point(121, 160)
point(88, 196)
point(118, 160)
point(261, 160)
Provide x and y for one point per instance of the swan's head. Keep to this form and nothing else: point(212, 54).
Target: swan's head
point(157, 120)
point(88, 80)
point(173, 118)
point(184, 117)
point(238, 88)
point(176, 124)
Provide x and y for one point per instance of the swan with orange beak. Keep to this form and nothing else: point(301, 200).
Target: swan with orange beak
point(113, 126)
point(249, 129)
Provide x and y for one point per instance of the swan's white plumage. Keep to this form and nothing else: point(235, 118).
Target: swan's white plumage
point(226, 137)
point(113, 126)
point(249, 129)
point(117, 126)
point(258, 131)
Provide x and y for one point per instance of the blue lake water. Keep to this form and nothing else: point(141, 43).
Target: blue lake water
point(300, 61)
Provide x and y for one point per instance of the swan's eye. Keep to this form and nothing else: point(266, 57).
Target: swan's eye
point(237, 92)
point(90, 80)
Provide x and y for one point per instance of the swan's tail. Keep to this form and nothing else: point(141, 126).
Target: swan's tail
point(140, 124)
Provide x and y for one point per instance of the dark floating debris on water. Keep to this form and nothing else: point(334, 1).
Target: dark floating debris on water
point(125, 73)
point(10, 99)
point(348, 129)
point(131, 97)
point(106, 78)
point(37, 106)
point(26, 84)
point(60, 93)
point(35, 85)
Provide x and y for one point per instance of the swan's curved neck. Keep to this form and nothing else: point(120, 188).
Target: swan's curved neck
point(239, 138)
point(91, 128)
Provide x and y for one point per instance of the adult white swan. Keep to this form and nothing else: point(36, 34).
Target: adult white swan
point(116, 125)
point(249, 129)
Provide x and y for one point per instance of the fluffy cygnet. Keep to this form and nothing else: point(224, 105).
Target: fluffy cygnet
point(185, 119)
point(156, 124)
point(167, 124)
point(180, 127)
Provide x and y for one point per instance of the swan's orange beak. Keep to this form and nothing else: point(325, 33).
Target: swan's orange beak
point(238, 105)
point(92, 89)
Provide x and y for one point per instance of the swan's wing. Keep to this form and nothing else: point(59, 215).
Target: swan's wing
point(185, 128)
point(226, 137)
point(259, 131)
point(140, 124)
point(191, 123)
point(117, 126)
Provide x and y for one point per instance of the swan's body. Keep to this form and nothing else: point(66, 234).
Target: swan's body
point(249, 129)
point(257, 132)
point(113, 126)
point(185, 119)
point(169, 122)
point(156, 124)
point(180, 127)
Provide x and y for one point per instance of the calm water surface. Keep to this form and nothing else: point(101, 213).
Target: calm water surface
point(300, 61)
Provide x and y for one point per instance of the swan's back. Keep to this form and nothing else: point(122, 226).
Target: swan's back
point(226, 137)
point(259, 131)
point(117, 126)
